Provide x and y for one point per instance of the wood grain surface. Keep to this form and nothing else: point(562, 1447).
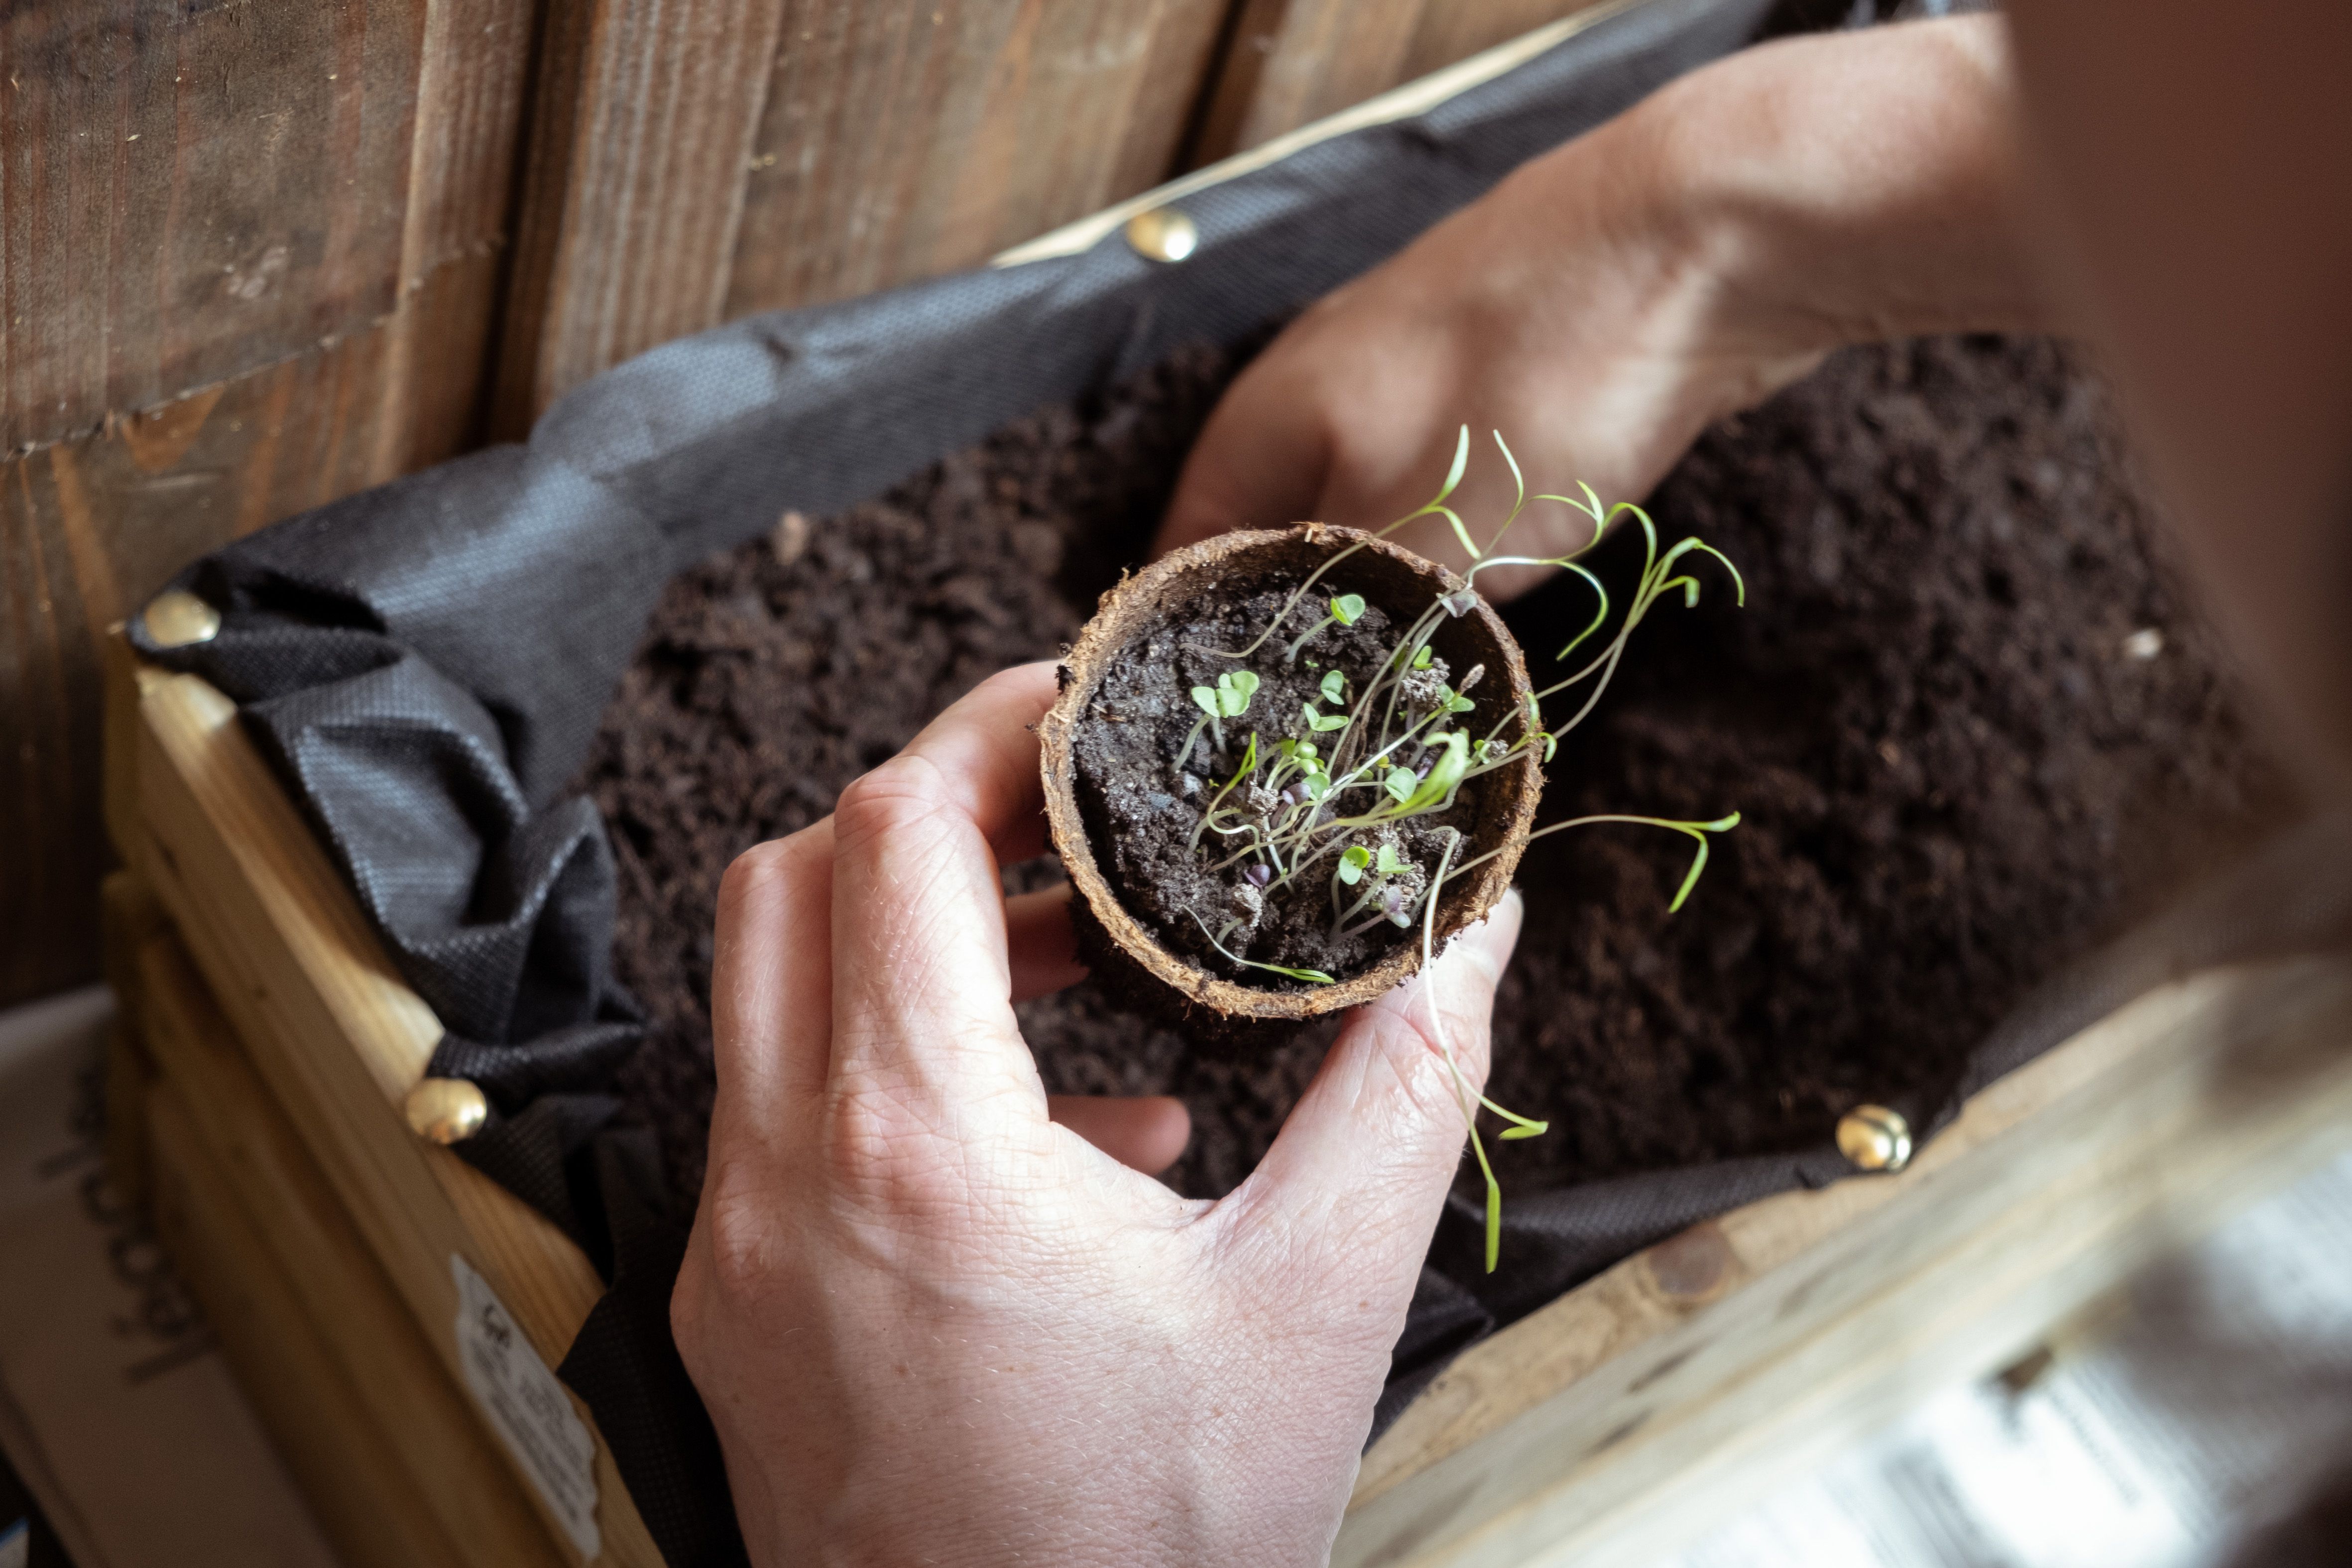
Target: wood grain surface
point(640, 143)
point(369, 1506)
point(191, 192)
point(338, 1038)
point(903, 139)
point(1294, 61)
point(1609, 1429)
point(289, 1243)
point(91, 524)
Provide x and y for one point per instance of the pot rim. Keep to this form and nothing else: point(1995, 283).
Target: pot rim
point(1125, 613)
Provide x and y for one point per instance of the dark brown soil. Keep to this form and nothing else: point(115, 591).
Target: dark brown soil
point(1965, 715)
point(1148, 772)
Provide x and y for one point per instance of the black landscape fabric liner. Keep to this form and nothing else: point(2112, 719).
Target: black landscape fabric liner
point(425, 664)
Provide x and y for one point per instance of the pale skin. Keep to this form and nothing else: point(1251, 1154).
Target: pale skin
point(938, 1317)
point(934, 1324)
point(1612, 299)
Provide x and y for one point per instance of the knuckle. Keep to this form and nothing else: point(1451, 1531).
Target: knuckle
point(882, 1151)
point(744, 1253)
point(902, 791)
point(759, 869)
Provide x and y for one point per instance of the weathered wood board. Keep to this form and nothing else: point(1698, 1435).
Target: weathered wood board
point(1291, 62)
point(339, 1039)
point(249, 257)
point(1610, 1428)
point(237, 1144)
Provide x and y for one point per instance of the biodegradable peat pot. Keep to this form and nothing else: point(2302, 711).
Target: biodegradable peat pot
point(1134, 961)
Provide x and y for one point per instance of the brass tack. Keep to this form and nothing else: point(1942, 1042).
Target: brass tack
point(1163, 233)
point(1875, 1137)
point(446, 1110)
point(175, 618)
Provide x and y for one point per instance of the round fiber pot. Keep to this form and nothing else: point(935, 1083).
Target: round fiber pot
point(1153, 615)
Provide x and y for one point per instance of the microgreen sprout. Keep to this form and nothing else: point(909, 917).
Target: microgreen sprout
point(1311, 976)
point(1229, 698)
point(1322, 723)
point(1376, 761)
point(1347, 609)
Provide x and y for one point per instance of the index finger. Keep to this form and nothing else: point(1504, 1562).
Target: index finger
point(921, 979)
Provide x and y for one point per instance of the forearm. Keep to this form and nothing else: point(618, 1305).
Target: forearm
point(1857, 187)
point(1614, 296)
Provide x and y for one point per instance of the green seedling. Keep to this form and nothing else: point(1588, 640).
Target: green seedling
point(1346, 610)
point(1375, 765)
point(1311, 976)
point(1323, 723)
point(1229, 698)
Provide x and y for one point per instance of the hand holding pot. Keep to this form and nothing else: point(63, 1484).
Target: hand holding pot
point(932, 1325)
point(1610, 299)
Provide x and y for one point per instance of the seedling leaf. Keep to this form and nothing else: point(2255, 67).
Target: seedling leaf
point(1451, 767)
point(1320, 722)
point(1347, 608)
point(1461, 462)
point(1234, 690)
point(1334, 686)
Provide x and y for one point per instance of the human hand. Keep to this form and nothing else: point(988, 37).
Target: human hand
point(1612, 299)
point(931, 1324)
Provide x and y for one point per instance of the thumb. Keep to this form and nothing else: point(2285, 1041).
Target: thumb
point(1365, 1159)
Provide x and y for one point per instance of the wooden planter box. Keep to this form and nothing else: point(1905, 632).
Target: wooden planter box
point(270, 1046)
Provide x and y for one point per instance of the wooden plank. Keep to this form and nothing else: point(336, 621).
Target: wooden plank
point(340, 1039)
point(369, 1506)
point(1616, 1424)
point(188, 192)
point(641, 138)
point(91, 525)
point(690, 164)
point(887, 154)
point(1415, 96)
point(132, 919)
point(385, 1373)
point(90, 528)
point(1292, 62)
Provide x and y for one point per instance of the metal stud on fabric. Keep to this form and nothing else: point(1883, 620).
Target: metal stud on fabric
point(1875, 1137)
point(446, 1110)
point(175, 618)
point(1163, 233)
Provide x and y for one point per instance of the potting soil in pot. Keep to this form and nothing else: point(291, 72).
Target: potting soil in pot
point(1966, 717)
point(1169, 793)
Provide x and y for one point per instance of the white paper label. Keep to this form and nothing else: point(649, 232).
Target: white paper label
point(529, 1407)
